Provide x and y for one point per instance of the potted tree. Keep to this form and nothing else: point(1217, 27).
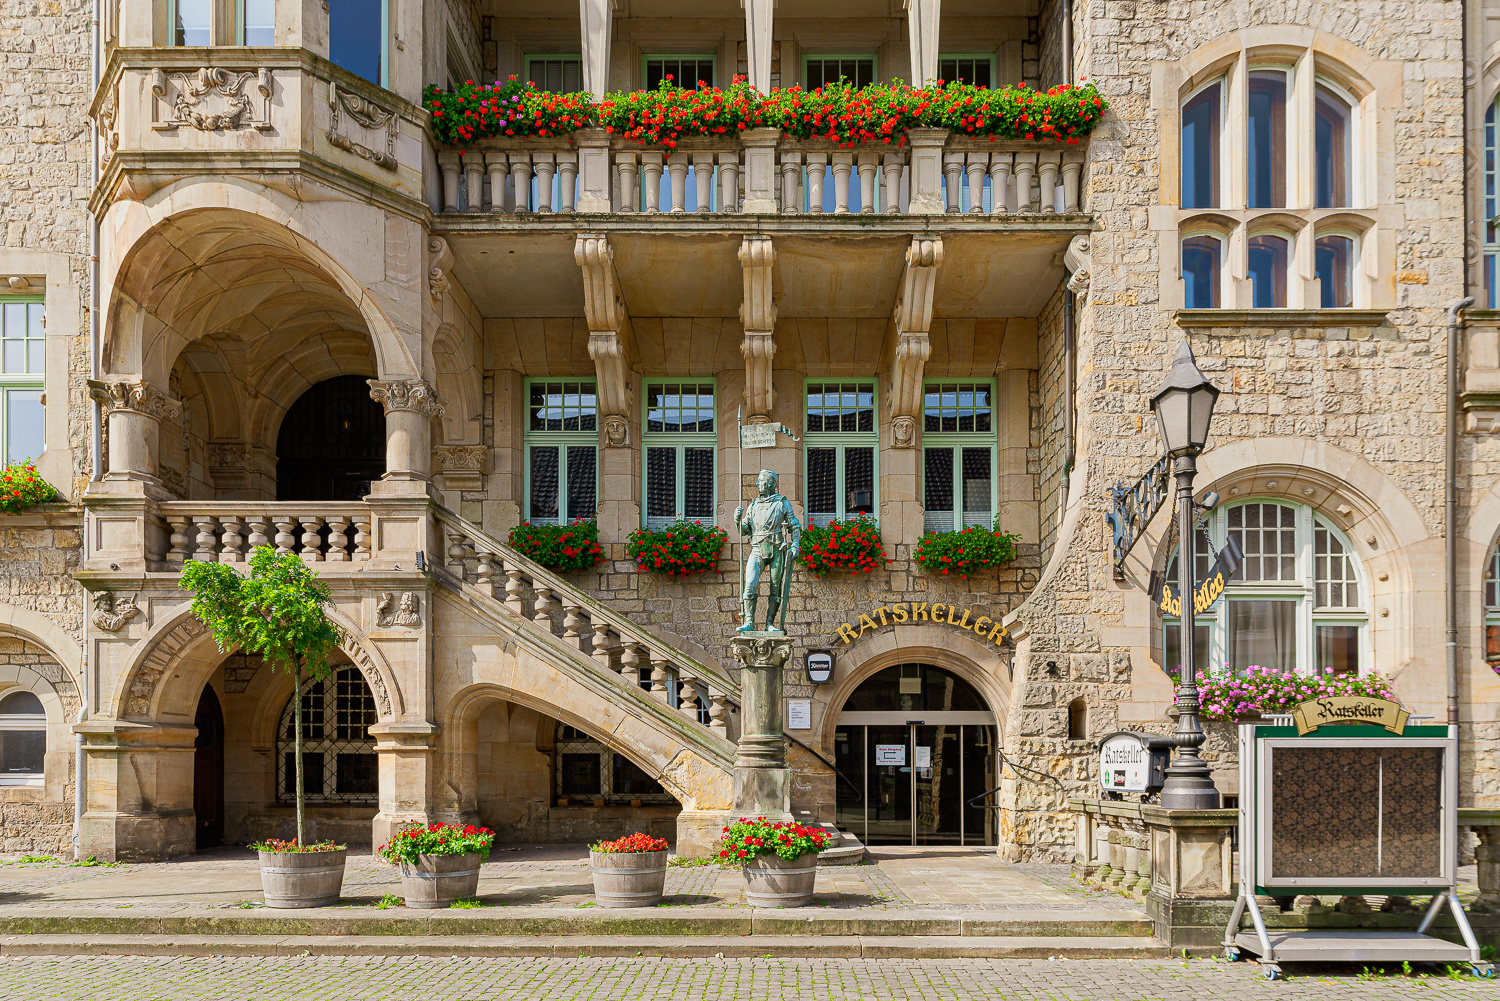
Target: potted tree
point(779, 860)
point(629, 872)
point(280, 612)
point(439, 863)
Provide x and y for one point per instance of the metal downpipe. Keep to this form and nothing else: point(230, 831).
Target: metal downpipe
point(1450, 508)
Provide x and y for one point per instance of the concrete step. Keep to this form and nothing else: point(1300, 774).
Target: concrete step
point(838, 947)
point(500, 922)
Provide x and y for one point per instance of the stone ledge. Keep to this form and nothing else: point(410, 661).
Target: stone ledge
point(1280, 318)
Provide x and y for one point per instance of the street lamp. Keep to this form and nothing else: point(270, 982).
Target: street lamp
point(1184, 406)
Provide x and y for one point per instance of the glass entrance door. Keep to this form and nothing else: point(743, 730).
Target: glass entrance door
point(911, 784)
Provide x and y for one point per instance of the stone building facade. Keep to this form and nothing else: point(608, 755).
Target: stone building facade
point(258, 304)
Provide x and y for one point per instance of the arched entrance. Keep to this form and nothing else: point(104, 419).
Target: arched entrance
point(915, 745)
point(331, 443)
point(208, 770)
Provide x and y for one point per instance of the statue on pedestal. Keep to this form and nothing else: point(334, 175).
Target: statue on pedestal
point(775, 537)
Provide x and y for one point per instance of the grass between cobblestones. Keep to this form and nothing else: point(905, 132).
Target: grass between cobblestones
point(378, 979)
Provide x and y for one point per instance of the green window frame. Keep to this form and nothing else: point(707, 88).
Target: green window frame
point(23, 373)
point(556, 72)
point(959, 438)
point(860, 68)
point(977, 68)
point(840, 449)
point(383, 70)
point(679, 455)
point(654, 66)
point(562, 450)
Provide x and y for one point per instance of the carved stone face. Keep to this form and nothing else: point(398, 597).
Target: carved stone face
point(408, 602)
point(104, 601)
point(767, 482)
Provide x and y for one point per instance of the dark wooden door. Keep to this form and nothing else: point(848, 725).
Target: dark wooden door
point(208, 770)
point(331, 443)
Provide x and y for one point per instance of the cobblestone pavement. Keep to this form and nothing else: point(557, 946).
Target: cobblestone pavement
point(558, 876)
point(365, 979)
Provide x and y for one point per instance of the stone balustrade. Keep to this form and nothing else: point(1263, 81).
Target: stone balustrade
point(762, 172)
point(227, 531)
point(613, 641)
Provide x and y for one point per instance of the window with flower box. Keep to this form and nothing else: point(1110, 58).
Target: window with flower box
point(686, 71)
point(562, 450)
point(556, 74)
point(958, 454)
point(840, 443)
point(678, 447)
point(23, 349)
point(1297, 602)
point(821, 70)
point(977, 69)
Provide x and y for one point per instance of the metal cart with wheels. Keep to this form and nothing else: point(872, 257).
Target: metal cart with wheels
point(1333, 807)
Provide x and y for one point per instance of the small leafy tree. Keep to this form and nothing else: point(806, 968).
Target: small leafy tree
point(280, 612)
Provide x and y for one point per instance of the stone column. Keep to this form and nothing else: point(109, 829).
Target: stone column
point(410, 407)
point(405, 754)
point(922, 18)
point(139, 791)
point(758, 17)
point(597, 20)
point(134, 411)
point(1487, 855)
point(762, 780)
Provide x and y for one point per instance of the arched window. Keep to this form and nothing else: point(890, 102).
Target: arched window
point(1265, 152)
point(1334, 263)
point(1297, 603)
point(338, 754)
point(1331, 149)
point(1200, 148)
point(1491, 209)
point(23, 739)
point(1268, 260)
point(1078, 720)
point(588, 772)
point(1201, 263)
point(1492, 606)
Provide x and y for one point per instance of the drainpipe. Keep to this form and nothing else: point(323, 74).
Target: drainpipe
point(1067, 40)
point(1450, 508)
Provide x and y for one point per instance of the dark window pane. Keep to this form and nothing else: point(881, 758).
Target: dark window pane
point(698, 468)
point(1200, 150)
point(356, 775)
point(661, 482)
point(859, 481)
point(579, 774)
point(1200, 272)
point(1266, 155)
point(1335, 259)
point(1263, 634)
point(1172, 652)
point(312, 773)
point(977, 487)
point(1337, 648)
point(630, 779)
point(1268, 272)
point(354, 708)
point(583, 471)
point(544, 483)
point(684, 73)
point(312, 715)
point(22, 751)
point(937, 483)
point(822, 487)
point(354, 40)
point(1331, 154)
point(21, 704)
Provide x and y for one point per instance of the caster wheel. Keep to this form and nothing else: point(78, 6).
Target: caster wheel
point(1271, 972)
point(1232, 955)
point(1485, 971)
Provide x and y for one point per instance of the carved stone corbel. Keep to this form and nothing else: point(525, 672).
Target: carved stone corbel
point(913, 319)
point(439, 263)
point(758, 313)
point(111, 613)
point(1076, 259)
point(462, 466)
point(362, 127)
point(414, 396)
point(609, 326)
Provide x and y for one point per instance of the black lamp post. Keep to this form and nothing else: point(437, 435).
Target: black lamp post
point(1184, 405)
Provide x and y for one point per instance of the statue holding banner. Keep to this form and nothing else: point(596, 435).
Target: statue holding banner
point(775, 537)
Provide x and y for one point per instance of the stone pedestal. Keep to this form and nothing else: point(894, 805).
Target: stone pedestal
point(762, 780)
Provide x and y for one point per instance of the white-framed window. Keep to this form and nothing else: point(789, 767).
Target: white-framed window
point(679, 446)
point(1298, 602)
point(358, 37)
point(562, 450)
point(976, 68)
point(257, 22)
point(821, 70)
point(192, 22)
point(1334, 255)
point(1268, 257)
point(23, 738)
point(841, 442)
point(1202, 142)
point(587, 770)
point(199, 23)
point(1202, 270)
point(339, 764)
point(958, 454)
point(23, 349)
point(557, 74)
point(686, 71)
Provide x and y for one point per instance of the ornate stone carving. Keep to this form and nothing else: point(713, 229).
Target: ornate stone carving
point(405, 611)
point(373, 677)
point(913, 318)
point(228, 455)
point(109, 138)
point(157, 661)
point(602, 304)
point(212, 99)
point(1076, 259)
point(616, 431)
point(111, 613)
point(414, 395)
point(379, 124)
point(767, 651)
point(462, 466)
point(757, 257)
point(136, 397)
point(439, 264)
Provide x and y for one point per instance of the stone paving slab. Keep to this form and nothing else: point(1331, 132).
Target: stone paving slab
point(313, 978)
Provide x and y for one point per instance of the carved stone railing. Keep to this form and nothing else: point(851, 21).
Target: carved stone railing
point(251, 107)
point(227, 531)
point(762, 172)
point(518, 587)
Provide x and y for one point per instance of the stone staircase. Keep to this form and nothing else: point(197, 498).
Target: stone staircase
point(646, 676)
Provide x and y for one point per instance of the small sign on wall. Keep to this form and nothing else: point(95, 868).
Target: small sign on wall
point(799, 714)
point(890, 754)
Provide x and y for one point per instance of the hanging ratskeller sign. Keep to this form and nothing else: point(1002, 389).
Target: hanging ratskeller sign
point(1169, 598)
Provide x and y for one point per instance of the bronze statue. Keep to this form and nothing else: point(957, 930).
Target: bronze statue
point(775, 539)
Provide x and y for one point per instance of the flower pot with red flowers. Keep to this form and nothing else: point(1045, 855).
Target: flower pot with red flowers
point(852, 546)
point(22, 487)
point(779, 860)
point(682, 549)
point(298, 875)
point(629, 871)
point(439, 863)
point(965, 552)
point(563, 548)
